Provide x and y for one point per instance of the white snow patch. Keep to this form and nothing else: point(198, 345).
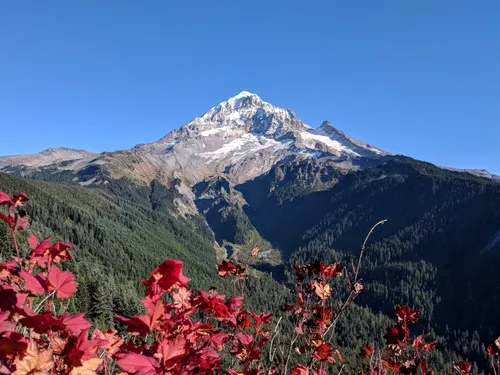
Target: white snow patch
point(311, 153)
point(227, 148)
point(373, 149)
point(208, 132)
point(88, 182)
point(240, 147)
point(311, 138)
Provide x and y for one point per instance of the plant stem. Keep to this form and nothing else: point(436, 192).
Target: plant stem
point(363, 248)
point(45, 299)
point(14, 237)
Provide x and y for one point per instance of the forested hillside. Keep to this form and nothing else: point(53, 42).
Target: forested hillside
point(439, 249)
point(122, 231)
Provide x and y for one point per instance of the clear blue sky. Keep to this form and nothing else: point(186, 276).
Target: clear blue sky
point(420, 78)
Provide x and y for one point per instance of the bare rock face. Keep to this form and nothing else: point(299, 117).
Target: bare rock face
point(239, 139)
point(243, 138)
point(47, 157)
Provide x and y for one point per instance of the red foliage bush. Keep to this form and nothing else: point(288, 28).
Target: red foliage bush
point(181, 331)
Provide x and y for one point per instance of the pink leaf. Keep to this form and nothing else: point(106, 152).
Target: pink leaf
point(5, 324)
point(35, 284)
point(137, 364)
point(63, 282)
point(75, 323)
point(33, 241)
point(244, 338)
point(4, 198)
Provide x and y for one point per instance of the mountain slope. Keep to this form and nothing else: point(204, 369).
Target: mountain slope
point(238, 139)
point(438, 250)
point(120, 235)
point(222, 206)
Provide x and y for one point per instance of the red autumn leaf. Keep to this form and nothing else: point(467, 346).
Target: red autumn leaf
point(59, 251)
point(4, 197)
point(299, 329)
point(33, 241)
point(263, 318)
point(80, 348)
point(16, 200)
point(155, 312)
point(217, 340)
point(463, 367)
point(207, 359)
point(166, 275)
point(143, 324)
point(323, 291)
point(19, 199)
point(299, 370)
point(137, 325)
point(395, 335)
point(214, 303)
point(391, 364)
point(8, 220)
point(367, 351)
point(409, 367)
point(203, 330)
point(337, 352)
point(182, 298)
point(39, 254)
point(8, 269)
point(429, 346)
point(12, 343)
point(255, 252)
point(21, 220)
point(172, 350)
point(323, 352)
point(243, 320)
point(114, 341)
point(322, 315)
point(358, 287)
point(244, 338)
point(42, 323)
point(227, 269)
point(494, 348)
point(137, 364)
point(5, 324)
point(234, 303)
point(406, 314)
point(332, 270)
point(63, 282)
point(39, 248)
point(75, 323)
point(35, 284)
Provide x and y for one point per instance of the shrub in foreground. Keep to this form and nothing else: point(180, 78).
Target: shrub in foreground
point(183, 331)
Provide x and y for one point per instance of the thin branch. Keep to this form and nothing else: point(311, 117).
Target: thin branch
point(14, 237)
point(290, 352)
point(45, 299)
point(363, 247)
point(276, 333)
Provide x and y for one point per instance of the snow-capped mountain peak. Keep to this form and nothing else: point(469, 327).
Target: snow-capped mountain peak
point(239, 138)
point(241, 98)
point(237, 110)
